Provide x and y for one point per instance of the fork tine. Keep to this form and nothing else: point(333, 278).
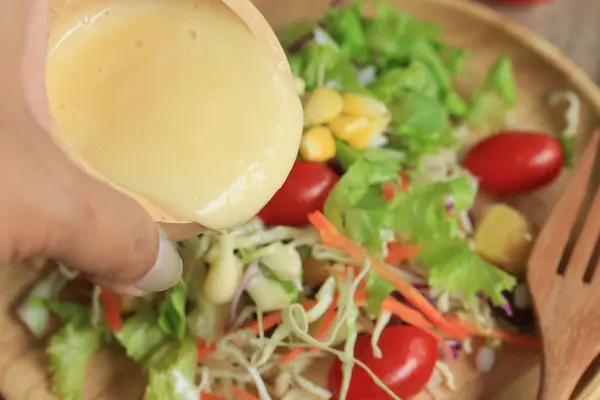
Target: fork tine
point(553, 238)
point(586, 242)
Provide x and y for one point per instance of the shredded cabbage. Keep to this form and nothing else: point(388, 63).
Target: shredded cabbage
point(36, 318)
point(572, 115)
point(382, 320)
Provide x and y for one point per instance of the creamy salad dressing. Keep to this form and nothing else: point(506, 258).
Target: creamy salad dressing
point(176, 101)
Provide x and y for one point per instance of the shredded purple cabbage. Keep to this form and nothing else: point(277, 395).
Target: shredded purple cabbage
point(455, 347)
point(507, 306)
point(450, 205)
point(251, 272)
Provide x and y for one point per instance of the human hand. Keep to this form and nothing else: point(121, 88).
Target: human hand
point(47, 205)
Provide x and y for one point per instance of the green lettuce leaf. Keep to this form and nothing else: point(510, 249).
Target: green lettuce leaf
point(347, 25)
point(355, 205)
point(396, 82)
point(453, 57)
point(320, 63)
point(496, 95)
point(292, 33)
point(141, 335)
point(32, 312)
point(67, 311)
point(420, 214)
point(455, 105)
point(172, 372)
point(386, 38)
point(347, 155)
point(417, 112)
point(453, 267)
point(392, 39)
point(357, 208)
point(70, 349)
point(377, 290)
point(172, 319)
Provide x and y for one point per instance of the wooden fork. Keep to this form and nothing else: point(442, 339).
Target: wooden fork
point(567, 300)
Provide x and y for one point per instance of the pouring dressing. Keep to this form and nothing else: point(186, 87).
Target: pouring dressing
point(175, 102)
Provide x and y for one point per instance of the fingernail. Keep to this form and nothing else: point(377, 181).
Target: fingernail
point(123, 290)
point(166, 271)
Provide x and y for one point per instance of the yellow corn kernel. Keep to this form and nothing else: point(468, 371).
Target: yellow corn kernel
point(361, 141)
point(317, 144)
point(322, 106)
point(504, 238)
point(348, 126)
point(363, 106)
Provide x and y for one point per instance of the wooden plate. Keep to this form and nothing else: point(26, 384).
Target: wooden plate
point(540, 69)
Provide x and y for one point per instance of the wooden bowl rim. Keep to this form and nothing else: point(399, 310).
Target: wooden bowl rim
point(532, 40)
point(527, 39)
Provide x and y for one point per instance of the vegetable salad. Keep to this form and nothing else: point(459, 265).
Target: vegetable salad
point(380, 250)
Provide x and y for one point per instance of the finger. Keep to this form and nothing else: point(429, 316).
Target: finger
point(34, 61)
point(115, 242)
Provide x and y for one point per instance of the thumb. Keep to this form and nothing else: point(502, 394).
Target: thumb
point(107, 236)
point(115, 242)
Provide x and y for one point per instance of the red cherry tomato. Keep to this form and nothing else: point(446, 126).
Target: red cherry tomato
point(515, 162)
point(409, 356)
point(304, 191)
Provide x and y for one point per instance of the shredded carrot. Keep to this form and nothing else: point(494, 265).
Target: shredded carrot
point(204, 350)
point(389, 192)
point(268, 322)
point(398, 253)
point(404, 179)
point(342, 273)
point(331, 237)
point(406, 313)
point(273, 319)
point(415, 318)
point(508, 337)
point(360, 298)
point(240, 394)
point(389, 189)
point(291, 355)
point(112, 309)
point(326, 324)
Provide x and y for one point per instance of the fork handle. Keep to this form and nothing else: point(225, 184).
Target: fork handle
point(560, 376)
point(556, 388)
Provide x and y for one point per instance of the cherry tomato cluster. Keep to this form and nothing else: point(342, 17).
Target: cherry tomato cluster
point(409, 353)
point(505, 163)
